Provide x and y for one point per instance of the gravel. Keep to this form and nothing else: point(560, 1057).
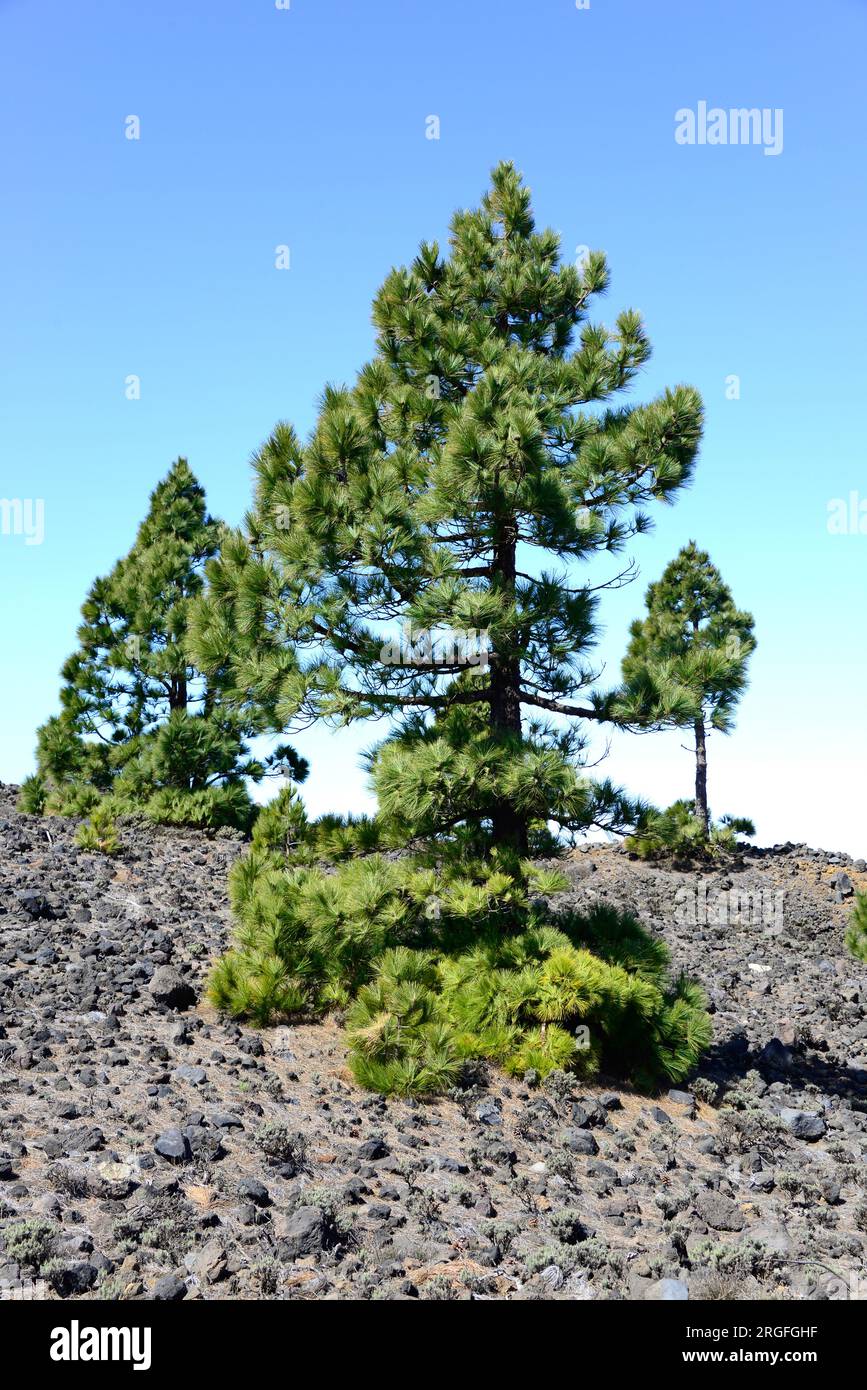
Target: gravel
point(152, 1150)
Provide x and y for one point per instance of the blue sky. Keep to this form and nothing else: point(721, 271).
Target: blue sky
point(261, 127)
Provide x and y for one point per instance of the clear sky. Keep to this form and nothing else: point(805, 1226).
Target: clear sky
point(307, 127)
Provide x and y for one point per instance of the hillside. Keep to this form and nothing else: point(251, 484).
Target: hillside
point(150, 1149)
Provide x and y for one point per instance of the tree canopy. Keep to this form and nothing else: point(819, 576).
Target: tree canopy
point(435, 515)
point(138, 719)
point(417, 560)
point(686, 665)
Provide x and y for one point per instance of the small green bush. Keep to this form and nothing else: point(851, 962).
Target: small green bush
point(99, 834)
point(443, 964)
point(207, 808)
point(28, 1242)
point(33, 795)
point(678, 833)
point(282, 825)
point(401, 1039)
point(72, 799)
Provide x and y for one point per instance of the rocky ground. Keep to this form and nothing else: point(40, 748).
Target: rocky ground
point(149, 1149)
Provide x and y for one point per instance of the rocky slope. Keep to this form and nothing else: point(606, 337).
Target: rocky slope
point(150, 1150)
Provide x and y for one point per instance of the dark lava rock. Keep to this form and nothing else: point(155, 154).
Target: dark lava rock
point(223, 1120)
point(372, 1149)
point(303, 1233)
point(843, 884)
point(776, 1054)
point(719, 1211)
point(682, 1098)
point(195, 1076)
point(255, 1191)
point(803, 1124)
point(578, 1141)
point(169, 988)
point(170, 1289)
point(174, 1144)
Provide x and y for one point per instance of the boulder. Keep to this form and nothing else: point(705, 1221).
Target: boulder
point(719, 1211)
point(174, 1145)
point(302, 1233)
point(803, 1124)
point(667, 1291)
point(169, 988)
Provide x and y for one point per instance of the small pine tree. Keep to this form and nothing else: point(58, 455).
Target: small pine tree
point(686, 665)
point(98, 834)
point(138, 719)
point(679, 833)
point(856, 935)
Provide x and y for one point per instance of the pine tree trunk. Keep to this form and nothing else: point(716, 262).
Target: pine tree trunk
point(701, 775)
point(509, 826)
point(700, 760)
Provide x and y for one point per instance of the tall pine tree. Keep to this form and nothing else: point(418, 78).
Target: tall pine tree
point(433, 515)
point(412, 561)
point(686, 665)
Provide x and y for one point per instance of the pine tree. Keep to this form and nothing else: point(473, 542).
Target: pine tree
point(413, 561)
point(138, 719)
point(409, 545)
point(686, 665)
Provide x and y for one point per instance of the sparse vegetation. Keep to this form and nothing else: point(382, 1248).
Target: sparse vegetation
point(678, 833)
point(29, 1242)
point(98, 834)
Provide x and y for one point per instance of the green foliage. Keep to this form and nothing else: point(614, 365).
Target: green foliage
point(206, 808)
point(29, 1242)
point(33, 795)
point(71, 774)
point(400, 1042)
point(72, 799)
point(450, 963)
point(409, 561)
point(686, 665)
point(687, 659)
point(257, 984)
point(139, 721)
point(431, 779)
point(856, 934)
point(282, 828)
point(99, 834)
point(378, 571)
point(678, 833)
point(282, 825)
